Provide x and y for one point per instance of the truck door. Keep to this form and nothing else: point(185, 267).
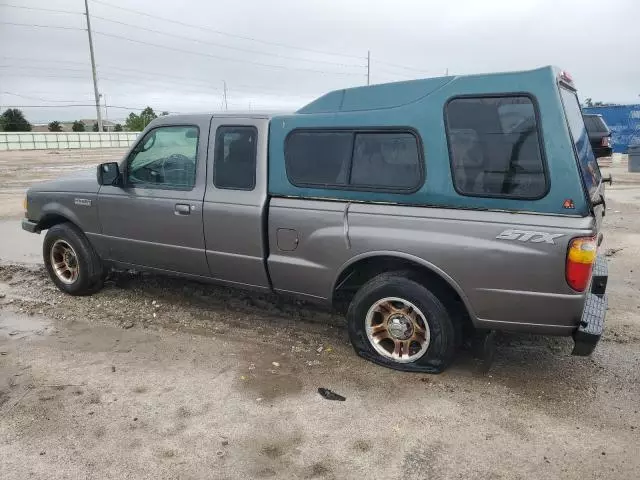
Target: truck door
point(155, 218)
point(234, 209)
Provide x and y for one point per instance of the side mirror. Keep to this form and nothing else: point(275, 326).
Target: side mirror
point(108, 173)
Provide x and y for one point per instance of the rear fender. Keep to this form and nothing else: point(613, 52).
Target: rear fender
point(411, 258)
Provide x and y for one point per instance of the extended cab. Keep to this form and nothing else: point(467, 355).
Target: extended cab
point(424, 206)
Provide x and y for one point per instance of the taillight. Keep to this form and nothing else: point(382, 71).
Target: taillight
point(606, 141)
point(580, 258)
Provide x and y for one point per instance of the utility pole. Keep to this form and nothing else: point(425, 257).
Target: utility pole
point(226, 106)
point(106, 116)
point(93, 67)
point(368, 67)
point(446, 72)
point(106, 112)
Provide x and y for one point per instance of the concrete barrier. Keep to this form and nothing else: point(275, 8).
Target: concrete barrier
point(65, 140)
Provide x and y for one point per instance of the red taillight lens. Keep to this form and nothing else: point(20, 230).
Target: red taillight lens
point(606, 141)
point(580, 258)
point(566, 77)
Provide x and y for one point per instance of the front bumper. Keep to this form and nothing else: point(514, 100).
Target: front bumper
point(591, 325)
point(30, 226)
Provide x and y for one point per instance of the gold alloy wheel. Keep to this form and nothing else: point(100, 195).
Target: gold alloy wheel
point(64, 262)
point(397, 329)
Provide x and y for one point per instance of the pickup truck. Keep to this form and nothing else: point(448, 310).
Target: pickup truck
point(427, 208)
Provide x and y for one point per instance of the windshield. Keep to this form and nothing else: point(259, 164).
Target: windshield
point(586, 159)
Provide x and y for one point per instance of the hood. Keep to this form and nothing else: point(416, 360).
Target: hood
point(84, 181)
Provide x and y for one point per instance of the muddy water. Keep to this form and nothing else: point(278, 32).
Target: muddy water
point(15, 326)
point(18, 246)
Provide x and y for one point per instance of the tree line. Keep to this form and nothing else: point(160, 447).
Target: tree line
point(14, 120)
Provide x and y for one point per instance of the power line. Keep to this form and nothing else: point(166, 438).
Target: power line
point(8, 5)
point(36, 98)
point(181, 82)
point(40, 26)
point(45, 76)
point(23, 67)
point(81, 105)
point(219, 32)
point(108, 69)
point(282, 67)
point(166, 47)
point(395, 75)
point(25, 59)
point(134, 80)
point(193, 81)
point(404, 67)
point(394, 65)
point(240, 49)
point(200, 89)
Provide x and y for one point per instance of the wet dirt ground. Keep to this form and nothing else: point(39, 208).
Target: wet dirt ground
point(163, 378)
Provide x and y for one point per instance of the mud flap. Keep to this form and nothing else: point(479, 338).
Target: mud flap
point(483, 347)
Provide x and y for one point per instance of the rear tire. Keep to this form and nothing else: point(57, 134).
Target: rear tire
point(398, 323)
point(71, 261)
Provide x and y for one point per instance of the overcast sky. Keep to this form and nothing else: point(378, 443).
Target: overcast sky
point(248, 44)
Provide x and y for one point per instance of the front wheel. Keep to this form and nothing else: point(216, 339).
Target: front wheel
point(399, 323)
point(71, 261)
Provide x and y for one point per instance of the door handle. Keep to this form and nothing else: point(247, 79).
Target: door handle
point(182, 209)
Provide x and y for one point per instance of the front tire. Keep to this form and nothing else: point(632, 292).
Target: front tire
point(70, 260)
point(398, 323)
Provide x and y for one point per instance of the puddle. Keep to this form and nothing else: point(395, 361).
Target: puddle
point(18, 246)
point(16, 326)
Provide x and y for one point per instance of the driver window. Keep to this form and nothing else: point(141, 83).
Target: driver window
point(165, 158)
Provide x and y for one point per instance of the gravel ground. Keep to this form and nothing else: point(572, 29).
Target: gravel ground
point(162, 378)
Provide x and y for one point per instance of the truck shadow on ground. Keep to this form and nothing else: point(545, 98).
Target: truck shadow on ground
point(519, 357)
point(264, 325)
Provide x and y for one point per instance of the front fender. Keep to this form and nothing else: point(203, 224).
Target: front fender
point(56, 209)
point(48, 208)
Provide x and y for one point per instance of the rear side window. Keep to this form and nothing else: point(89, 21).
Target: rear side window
point(356, 160)
point(318, 158)
point(586, 159)
point(494, 144)
point(388, 160)
point(235, 158)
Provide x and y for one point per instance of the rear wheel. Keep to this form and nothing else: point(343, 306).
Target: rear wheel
point(399, 323)
point(71, 261)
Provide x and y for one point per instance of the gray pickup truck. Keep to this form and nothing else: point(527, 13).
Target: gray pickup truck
point(427, 208)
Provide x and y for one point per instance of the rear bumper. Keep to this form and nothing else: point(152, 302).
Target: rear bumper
point(591, 326)
point(30, 226)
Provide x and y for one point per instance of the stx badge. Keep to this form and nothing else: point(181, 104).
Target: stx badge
point(527, 236)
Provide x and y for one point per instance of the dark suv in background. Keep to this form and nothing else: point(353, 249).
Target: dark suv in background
point(599, 135)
